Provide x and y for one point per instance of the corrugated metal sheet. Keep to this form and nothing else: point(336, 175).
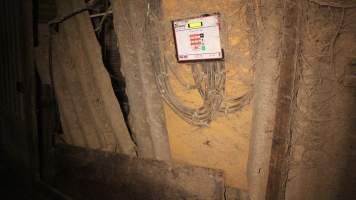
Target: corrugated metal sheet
point(10, 59)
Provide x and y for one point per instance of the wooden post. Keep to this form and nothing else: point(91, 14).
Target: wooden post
point(137, 24)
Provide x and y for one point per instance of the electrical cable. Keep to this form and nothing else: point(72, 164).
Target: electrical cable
point(209, 80)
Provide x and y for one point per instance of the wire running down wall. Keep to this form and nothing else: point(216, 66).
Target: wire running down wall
point(224, 143)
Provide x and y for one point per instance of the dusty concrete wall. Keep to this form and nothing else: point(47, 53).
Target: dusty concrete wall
point(320, 155)
point(224, 144)
point(309, 154)
point(323, 163)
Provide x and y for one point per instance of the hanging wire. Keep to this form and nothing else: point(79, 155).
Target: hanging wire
point(209, 80)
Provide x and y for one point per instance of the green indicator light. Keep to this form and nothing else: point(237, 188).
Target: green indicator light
point(195, 25)
point(203, 48)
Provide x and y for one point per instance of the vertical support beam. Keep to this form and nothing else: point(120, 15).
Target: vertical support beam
point(268, 16)
point(276, 24)
point(136, 24)
point(288, 57)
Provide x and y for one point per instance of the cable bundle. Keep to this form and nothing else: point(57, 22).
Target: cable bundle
point(209, 80)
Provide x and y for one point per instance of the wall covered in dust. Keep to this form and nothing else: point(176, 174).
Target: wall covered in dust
point(322, 164)
point(224, 143)
point(314, 148)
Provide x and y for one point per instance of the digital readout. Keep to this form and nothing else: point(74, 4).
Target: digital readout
point(195, 25)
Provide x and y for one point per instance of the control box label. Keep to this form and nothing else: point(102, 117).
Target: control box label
point(198, 38)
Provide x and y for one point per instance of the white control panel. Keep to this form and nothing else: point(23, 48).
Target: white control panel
point(198, 38)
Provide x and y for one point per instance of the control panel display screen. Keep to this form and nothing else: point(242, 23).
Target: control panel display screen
point(198, 38)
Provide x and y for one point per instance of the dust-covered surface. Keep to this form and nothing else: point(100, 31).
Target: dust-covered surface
point(139, 51)
point(316, 158)
point(89, 174)
point(224, 143)
point(323, 156)
point(266, 25)
point(317, 155)
point(90, 114)
point(236, 194)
